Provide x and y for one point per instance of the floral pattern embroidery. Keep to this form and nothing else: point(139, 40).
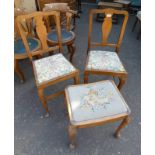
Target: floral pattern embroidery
point(52, 67)
point(104, 60)
point(96, 99)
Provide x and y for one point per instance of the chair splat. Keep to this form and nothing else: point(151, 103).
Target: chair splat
point(106, 27)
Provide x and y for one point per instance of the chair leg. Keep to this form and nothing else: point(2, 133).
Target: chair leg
point(124, 123)
point(18, 71)
point(134, 25)
point(71, 49)
point(43, 100)
point(85, 78)
point(72, 136)
point(121, 83)
point(77, 79)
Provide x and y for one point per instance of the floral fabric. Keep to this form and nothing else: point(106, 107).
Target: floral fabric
point(96, 100)
point(52, 67)
point(104, 60)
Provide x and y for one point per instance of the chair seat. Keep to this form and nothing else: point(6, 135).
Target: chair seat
point(66, 36)
point(19, 47)
point(52, 67)
point(104, 61)
point(100, 100)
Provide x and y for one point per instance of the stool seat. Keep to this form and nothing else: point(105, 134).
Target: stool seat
point(95, 101)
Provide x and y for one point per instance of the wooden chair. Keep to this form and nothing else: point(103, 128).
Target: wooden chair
point(95, 104)
point(48, 70)
point(68, 36)
point(105, 62)
point(19, 48)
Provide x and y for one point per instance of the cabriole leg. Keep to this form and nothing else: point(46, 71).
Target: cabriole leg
point(72, 136)
point(124, 123)
point(122, 81)
point(71, 49)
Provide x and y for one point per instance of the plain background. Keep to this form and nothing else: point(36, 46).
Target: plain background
point(7, 77)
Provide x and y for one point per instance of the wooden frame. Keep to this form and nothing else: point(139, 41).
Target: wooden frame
point(73, 126)
point(41, 31)
point(106, 28)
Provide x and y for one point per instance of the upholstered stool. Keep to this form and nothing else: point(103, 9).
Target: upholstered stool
point(95, 104)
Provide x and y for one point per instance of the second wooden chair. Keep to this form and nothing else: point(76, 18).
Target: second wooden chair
point(105, 62)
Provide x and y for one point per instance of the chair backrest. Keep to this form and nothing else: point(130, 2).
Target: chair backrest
point(65, 12)
point(38, 18)
point(106, 27)
point(27, 25)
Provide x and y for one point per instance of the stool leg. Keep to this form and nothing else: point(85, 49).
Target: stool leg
point(71, 49)
point(72, 136)
point(18, 71)
point(124, 123)
point(43, 100)
point(77, 79)
point(85, 77)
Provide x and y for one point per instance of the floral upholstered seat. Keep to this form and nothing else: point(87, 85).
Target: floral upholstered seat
point(104, 61)
point(52, 67)
point(95, 101)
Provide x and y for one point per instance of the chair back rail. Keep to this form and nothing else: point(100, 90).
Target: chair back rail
point(41, 31)
point(106, 27)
